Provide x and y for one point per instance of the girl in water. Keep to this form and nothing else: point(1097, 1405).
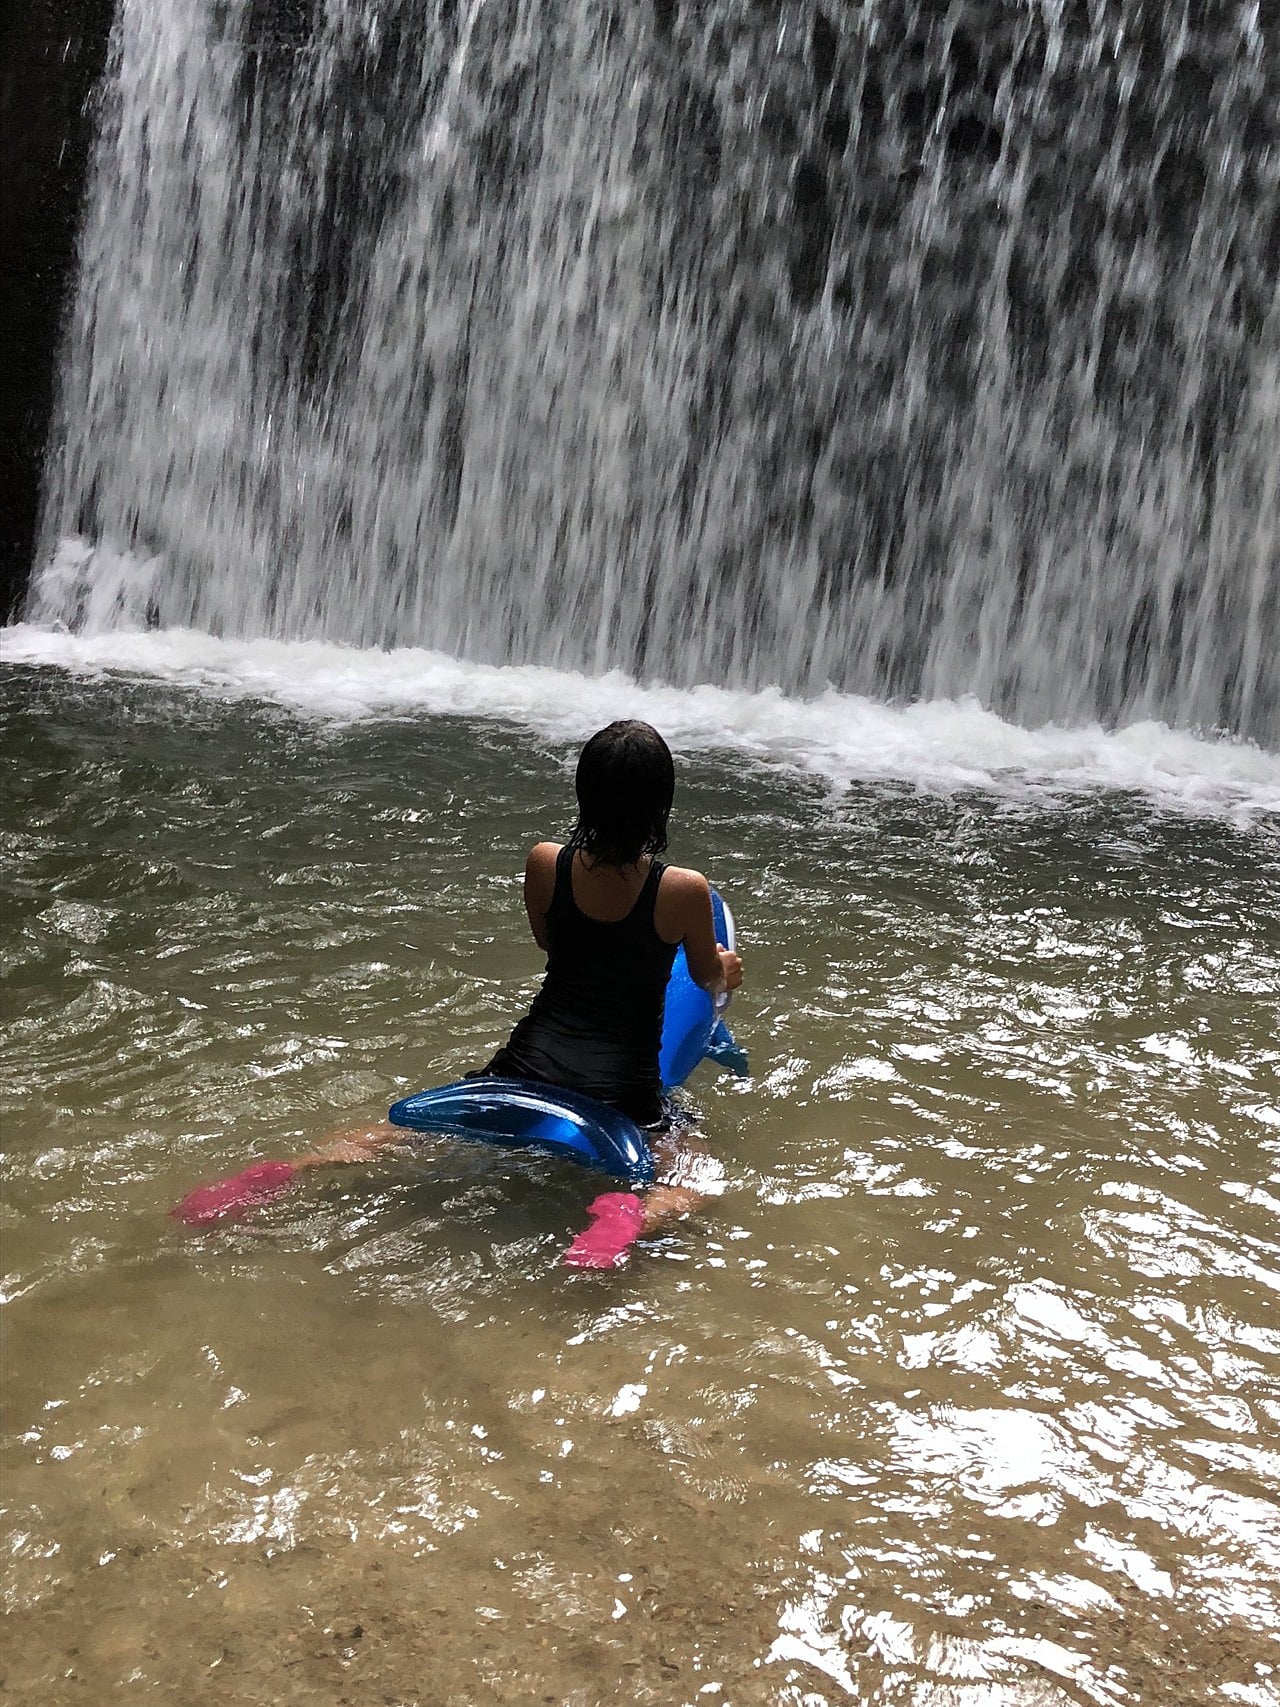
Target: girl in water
point(610, 916)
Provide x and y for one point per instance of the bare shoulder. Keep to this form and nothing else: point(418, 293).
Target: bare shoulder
point(682, 881)
point(683, 905)
point(540, 887)
point(540, 873)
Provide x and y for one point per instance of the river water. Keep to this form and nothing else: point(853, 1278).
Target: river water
point(964, 1391)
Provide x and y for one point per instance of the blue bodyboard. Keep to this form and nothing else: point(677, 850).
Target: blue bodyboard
point(522, 1113)
point(689, 1016)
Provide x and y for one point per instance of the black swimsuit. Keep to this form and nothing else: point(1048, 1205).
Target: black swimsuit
point(596, 1024)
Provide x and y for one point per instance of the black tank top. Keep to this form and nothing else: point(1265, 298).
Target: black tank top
point(596, 1024)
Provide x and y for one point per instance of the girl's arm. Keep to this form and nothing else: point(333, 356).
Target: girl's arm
point(684, 915)
point(539, 887)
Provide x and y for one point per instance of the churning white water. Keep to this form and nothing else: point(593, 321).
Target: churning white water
point(918, 352)
point(943, 747)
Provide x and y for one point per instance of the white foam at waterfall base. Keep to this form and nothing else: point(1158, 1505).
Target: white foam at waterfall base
point(941, 745)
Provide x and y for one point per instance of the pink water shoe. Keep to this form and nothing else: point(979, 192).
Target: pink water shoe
point(229, 1199)
point(617, 1220)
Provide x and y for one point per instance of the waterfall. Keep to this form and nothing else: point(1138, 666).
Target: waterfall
point(921, 350)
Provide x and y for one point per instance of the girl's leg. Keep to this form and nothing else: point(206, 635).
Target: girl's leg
point(353, 1144)
point(683, 1162)
point(228, 1199)
point(688, 1174)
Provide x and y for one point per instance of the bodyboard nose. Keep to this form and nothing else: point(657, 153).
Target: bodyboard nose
point(692, 1027)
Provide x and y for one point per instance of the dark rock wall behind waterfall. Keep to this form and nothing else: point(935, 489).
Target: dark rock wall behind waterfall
point(917, 348)
point(51, 53)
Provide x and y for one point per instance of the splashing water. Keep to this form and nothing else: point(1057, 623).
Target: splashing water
point(920, 353)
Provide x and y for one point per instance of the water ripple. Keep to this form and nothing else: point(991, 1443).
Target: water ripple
point(965, 1391)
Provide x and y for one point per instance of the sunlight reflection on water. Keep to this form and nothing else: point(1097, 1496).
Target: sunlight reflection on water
point(965, 1391)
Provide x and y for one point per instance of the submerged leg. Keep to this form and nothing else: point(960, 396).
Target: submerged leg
point(353, 1144)
point(263, 1182)
point(684, 1162)
point(619, 1218)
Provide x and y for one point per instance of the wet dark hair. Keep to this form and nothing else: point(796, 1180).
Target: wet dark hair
point(625, 783)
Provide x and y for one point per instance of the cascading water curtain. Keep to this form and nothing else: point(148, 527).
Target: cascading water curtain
point(915, 349)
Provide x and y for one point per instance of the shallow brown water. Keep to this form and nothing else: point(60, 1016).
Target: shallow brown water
point(965, 1391)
